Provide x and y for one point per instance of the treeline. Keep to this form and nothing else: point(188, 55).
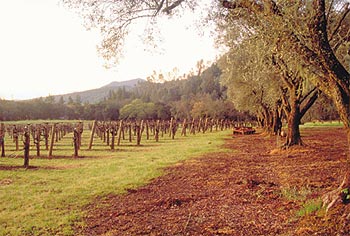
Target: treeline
point(197, 96)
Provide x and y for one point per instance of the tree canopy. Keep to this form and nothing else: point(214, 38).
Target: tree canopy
point(115, 20)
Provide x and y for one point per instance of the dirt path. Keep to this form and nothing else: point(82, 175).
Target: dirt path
point(247, 191)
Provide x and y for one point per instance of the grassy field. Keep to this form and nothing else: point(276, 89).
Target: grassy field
point(322, 124)
point(49, 197)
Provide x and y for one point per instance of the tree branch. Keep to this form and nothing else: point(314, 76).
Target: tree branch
point(329, 9)
point(309, 102)
point(341, 19)
point(342, 40)
point(168, 9)
point(308, 94)
point(159, 7)
point(285, 102)
point(318, 27)
point(272, 7)
point(246, 4)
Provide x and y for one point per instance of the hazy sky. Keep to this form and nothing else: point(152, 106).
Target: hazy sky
point(44, 49)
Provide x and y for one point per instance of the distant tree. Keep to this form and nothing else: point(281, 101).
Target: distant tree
point(70, 101)
point(61, 100)
point(138, 109)
point(210, 82)
point(163, 111)
point(111, 111)
point(49, 99)
point(182, 109)
point(77, 99)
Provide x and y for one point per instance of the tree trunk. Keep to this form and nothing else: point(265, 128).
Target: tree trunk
point(293, 133)
point(268, 119)
point(277, 121)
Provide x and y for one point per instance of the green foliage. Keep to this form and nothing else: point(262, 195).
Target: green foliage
point(138, 109)
point(310, 207)
point(323, 124)
point(249, 76)
point(345, 195)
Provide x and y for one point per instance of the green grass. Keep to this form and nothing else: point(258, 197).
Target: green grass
point(323, 124)
point(309, 207)
point(295, 194)
point(49, 198)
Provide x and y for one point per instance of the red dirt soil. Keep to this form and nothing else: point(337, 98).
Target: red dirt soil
point(249, 190)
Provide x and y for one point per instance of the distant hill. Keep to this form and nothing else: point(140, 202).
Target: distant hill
point(97, 95)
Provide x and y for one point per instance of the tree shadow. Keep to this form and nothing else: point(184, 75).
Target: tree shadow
point(13, 167)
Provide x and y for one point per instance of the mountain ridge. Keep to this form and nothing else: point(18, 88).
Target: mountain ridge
point(98, 94)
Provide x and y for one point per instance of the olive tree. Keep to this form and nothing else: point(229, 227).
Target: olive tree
point(314, 32)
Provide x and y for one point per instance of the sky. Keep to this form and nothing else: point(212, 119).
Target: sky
point(45, 50)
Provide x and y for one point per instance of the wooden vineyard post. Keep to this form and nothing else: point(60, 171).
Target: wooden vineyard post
point(192, 129)
point(156, 131)
point(26, 143)
point(52, 139)
point(15, 136)
point(80, 132)
point(171, 126)
point(46, 135)
point(134, 129)
point(76, 142)
point(173, 129)
point(183, 131)
point(92, 134)
point(2, 139)
point(138, 133)
point(112, 129)
point(130, 134)
point(107, 131)
point(147, 130)
point(37, 139)
point(104, 130)
point(57, 133)
point(199, 125)
point(120, 130)
point(205, 125)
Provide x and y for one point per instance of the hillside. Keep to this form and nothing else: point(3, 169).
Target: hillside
point(97, 95)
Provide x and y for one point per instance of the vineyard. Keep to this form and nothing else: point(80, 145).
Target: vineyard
point(71, 163)
point(47, 137)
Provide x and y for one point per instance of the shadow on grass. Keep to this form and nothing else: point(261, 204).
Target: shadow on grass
point(12, 167)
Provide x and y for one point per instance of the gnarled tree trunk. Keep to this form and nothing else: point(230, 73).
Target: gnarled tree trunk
point(293, 133)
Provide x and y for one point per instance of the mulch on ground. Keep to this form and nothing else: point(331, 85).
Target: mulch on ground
point(250, 190)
